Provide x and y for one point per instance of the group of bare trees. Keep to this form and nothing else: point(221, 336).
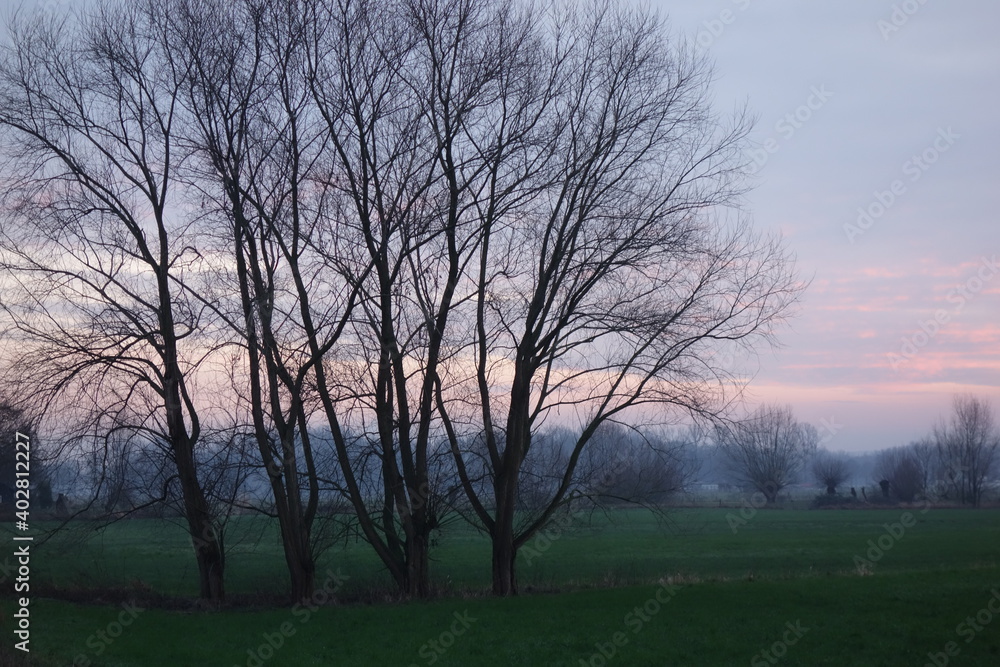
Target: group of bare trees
point(905, 474)
point(968, 449)
point(957, 462)
point(424, 229)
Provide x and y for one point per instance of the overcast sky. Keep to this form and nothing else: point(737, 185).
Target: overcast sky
point(890, 108)
point(877, 144)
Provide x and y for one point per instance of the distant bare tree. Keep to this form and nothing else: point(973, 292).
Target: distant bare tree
point(768, 448)
point(630, 465)
point(622, 464)
point(903, 470)
point(925, 454)
point(831, 470)
point(967, 446)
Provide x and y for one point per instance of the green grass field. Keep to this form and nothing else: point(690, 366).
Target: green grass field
point(688, 591)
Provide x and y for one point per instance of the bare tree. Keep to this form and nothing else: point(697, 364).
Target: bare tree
point(621, 465)
point(600, 278)
point(92, 248)
point(831, 470)
point(768, 448)
point(311, 136)
point(254, 141)
point(372, 93)
point(925, 454)
point(967, 446)
point(531, 204)
point(628, 465)
point(903, 470)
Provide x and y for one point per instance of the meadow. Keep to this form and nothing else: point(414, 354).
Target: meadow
point(697, 587)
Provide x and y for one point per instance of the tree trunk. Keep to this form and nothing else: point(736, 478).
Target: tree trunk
point(211, 565)
point(296, 544)
point(301, 569)
point(418, 566)
point(504, 555)
point(204, 536)
point(505, 487)
point(207, 544)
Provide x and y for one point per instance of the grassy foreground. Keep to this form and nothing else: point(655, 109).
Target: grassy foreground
point(784, 588)
point(892, 619)
point(621, 548)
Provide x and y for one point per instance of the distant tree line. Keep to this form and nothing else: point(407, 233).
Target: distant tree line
point(957, 462)
point(769, 450)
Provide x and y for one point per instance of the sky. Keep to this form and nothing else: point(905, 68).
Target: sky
point(876, 156)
